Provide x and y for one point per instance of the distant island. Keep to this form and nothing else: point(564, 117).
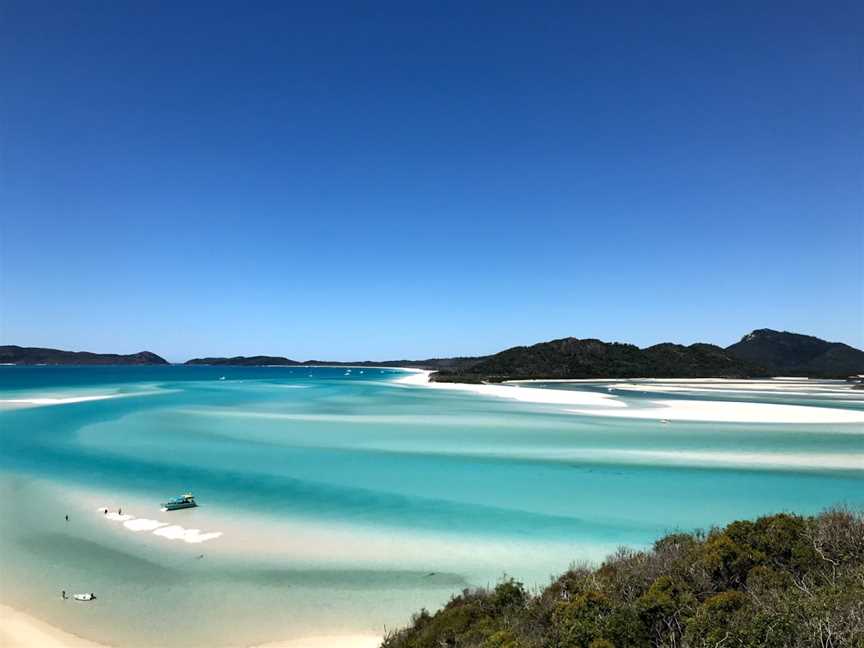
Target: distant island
point(259, 361)
point(12, 354)
point(761, 353)
point(764, 352)
point(243, 361)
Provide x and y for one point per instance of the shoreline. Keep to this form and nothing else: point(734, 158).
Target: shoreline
point(660, 409)
point(24, 630)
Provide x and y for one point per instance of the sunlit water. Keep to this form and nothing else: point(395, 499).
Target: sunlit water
point(335, 501)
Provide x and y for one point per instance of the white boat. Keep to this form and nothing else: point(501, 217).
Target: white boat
point(187, 500)
point(89, 596)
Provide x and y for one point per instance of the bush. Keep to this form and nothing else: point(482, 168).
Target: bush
point(782, 581)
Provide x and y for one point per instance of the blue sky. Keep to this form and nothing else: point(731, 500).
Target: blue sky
point(383, 180)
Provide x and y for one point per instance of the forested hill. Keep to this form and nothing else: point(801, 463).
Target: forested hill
point(781, 352)
point(431, 363)
point(782, 581)
point(575, 358)
point(761, 353)
point(764, 352)
point(11, 354)
point(244, 361)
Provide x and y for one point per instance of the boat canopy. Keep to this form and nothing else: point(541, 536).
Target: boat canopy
point(183, 498)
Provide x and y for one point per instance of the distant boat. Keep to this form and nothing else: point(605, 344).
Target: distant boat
point(221, 377)
point(187, 500)
point(89, 596)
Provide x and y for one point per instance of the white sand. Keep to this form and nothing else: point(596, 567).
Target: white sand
point(767, 387)
point(57, 401)
point(732, 412)
point(143, 524)
point(328, 641)
point(608, 404)
point(43, 401)
point(161, 529)
point(528, 394)
point(192, 536)
point(20, 630)
point(708, 457)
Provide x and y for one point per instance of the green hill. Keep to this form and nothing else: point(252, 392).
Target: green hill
point(794, 354)
point(590, 358)
point(782, 581)
point(12, 354)
point(761, 353)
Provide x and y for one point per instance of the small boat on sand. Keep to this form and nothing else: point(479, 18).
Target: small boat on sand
point(187, 500)
point(89, 596)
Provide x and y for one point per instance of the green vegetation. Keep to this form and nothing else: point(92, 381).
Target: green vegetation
point(241, 361)
point(575, 358)
point(792, 354)
point(12, 354)
point(761, 353)
point(782, 581)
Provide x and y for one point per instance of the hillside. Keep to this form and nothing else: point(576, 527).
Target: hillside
point(782, 581)
point(794, 354)
point(11, 354)
point(243, 361)
point(431, 363)
point(591, 358)
point(760, 353)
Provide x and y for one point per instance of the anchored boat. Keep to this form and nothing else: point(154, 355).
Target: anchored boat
point(187, 500)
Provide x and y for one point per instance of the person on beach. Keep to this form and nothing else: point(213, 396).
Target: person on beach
point(67, 518)
point(63, 594)
point(119, 511)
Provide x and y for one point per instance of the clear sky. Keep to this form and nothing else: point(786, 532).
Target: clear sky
point(385, 180)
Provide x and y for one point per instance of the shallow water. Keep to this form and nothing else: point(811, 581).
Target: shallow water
point(345, 501)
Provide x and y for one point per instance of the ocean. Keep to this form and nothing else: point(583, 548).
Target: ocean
point(342, 501)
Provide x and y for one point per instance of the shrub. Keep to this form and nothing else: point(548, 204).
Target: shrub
point(781, 581)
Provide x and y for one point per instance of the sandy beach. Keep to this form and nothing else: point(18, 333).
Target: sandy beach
point(328, 641)
point(21, 630)
point(65, 399)
point(666, 409)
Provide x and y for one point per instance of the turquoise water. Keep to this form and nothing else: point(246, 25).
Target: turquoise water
point(345, 502)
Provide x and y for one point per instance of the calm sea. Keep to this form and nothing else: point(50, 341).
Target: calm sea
point(338, 501)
